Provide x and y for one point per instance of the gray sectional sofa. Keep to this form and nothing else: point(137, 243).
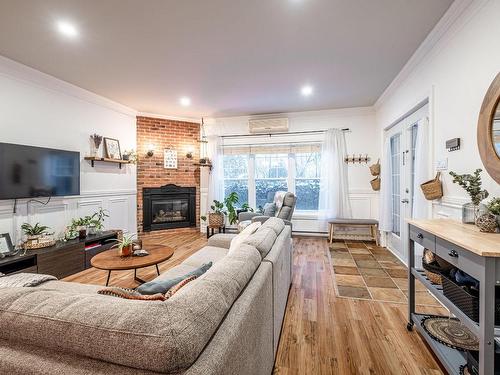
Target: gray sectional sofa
point(226, 322)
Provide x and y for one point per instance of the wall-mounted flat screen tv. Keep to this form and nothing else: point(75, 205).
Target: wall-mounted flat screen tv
point(30, 172)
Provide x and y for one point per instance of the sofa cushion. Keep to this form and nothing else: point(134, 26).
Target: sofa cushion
point(275, 224)
point(171, 334)
point(164, 285)
point(206, 254)
point(179, 270)
point(262, 240)
point(221, 240)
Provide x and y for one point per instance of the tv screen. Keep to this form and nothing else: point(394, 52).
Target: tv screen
point(29, 172)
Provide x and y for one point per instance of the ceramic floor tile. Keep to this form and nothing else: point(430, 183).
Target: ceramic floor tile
point(340, 255)
point(340, 270)
point(349, 280)
point(338, 245)
point(401, 273)
point(368, 264)
point(387, 294)
point(343, 262)
point(339, 250)
point(372, 272)
point(384, 257)
point(402, 284)
point(423, 297)
point(363, 257)
point(356, 250)
point(379, 282)
point(392, 264)
point(356, 245)
point(353, 292)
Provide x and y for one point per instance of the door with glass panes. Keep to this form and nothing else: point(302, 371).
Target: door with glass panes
point(402, 139)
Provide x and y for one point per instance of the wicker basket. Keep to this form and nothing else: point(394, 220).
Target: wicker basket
point(38, 242)
point(375, 168)
point(215, 220)
point(432, 272)
point(375, 183)
point(468, 303)
point(432, 189)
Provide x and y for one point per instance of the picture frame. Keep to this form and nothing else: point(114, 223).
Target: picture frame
point(170, 158)
point(6, 247)
point(112, 148)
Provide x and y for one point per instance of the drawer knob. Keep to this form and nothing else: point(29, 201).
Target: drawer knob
point(453, 254)
point(420, 235)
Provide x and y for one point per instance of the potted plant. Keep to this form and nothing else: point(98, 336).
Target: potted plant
point(216, 217)
point(125, 245)
point(37, 236)
point(471, 183)
point(96, 143)
point(230, 201)
point(130, 155)
point(96, 221)
point(493, 206)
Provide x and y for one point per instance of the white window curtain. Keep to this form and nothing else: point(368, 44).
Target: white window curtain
point(334, 186)
point(216, 179)
point(385, 212)
point(420, 208)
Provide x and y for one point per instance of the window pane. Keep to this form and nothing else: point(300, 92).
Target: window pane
point(271, 166)
point(396, 197)
point(308, 165)
point(238, 186)
point(307, 191)
point(265, 190)
point(236, 166)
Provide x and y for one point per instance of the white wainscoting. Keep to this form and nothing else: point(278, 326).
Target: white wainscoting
point(57, 214)
point(448, 207)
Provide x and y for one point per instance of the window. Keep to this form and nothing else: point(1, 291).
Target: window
point(307, 180)
point(236, 176)
point(256, 173)
point(271, 173)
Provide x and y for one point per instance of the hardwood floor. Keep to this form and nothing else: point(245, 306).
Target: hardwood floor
point(322, 333)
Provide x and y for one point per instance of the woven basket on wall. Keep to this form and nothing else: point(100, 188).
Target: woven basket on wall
point(375, 168)
point(215, 220)
point(432, 189)
point(375, 183)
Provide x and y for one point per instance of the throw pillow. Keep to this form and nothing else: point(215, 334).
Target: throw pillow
point(163, 286)
point(176, 288)
point(242, 237)
point(127, 293)
point(279, 197)
point(270, 209)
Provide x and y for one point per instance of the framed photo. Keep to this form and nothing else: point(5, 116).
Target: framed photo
point(6, 247)
point(112, 148)
point(170, 159)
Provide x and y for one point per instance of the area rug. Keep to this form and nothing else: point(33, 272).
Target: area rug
point(363, 270)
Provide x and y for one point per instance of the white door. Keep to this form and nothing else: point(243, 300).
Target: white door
point(402, 138)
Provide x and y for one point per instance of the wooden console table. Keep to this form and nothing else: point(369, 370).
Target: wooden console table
point(477, 254)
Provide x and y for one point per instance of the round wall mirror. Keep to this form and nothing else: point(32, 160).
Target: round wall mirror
point(488, 130)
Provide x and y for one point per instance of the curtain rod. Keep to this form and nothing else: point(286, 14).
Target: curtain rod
point(283, 133)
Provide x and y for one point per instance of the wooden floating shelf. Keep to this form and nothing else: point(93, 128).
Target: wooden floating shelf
point(93, 159)
point(209, 165)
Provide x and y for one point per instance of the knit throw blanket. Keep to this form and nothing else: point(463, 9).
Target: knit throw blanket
point(24, 279)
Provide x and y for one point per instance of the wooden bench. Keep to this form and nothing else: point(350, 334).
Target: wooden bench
point(371, 224)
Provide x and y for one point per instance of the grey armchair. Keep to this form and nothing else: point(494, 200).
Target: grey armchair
point(285, 212)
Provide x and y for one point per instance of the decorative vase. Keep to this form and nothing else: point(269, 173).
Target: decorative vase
point(470, 213)
point(126, 251)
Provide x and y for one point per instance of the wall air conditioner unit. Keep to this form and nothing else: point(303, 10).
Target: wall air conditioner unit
point(268, 126)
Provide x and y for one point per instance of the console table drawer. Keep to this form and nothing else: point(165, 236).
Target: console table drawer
point(459, 257)
point(424, 238)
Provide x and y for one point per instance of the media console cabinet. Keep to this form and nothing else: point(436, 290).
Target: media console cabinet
point(61, 260)
point(477, 254)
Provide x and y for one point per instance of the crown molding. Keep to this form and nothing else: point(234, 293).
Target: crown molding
point(168, 117)
point(459, 13)
point(20, 72)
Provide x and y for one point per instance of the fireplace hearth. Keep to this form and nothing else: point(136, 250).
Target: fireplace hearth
point(168, 207)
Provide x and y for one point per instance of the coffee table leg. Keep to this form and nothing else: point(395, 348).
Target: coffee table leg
point(138, 279)
point(157, 270)
point(109, 275)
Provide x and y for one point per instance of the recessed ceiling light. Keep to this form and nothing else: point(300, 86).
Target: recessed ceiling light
point(67, 29)
point(185, 101)
point(306, 90)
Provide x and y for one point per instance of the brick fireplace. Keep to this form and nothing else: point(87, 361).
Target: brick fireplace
point(158, 135)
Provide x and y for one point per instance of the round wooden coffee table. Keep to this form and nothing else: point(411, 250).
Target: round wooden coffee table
point(110, 260)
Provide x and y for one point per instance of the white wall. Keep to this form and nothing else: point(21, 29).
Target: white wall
point(39, 110)
point(363, 139)
point(455, 73)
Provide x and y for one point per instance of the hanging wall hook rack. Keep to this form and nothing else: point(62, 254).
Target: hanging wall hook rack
point(360, 158)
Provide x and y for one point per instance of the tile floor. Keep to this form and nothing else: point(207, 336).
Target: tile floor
point(365, 271)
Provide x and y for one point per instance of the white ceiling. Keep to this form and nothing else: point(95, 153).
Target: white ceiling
point(231, 57)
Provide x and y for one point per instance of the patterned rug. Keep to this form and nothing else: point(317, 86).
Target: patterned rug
point(363, 270)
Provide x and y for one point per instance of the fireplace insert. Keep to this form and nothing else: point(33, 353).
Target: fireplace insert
point(169, 206)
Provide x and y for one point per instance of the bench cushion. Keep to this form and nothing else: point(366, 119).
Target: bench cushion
point(353, 221)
